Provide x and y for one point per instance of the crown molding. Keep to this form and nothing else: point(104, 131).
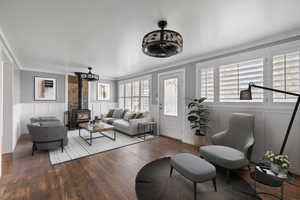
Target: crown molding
point(62, 73)
point(8, 50)
point(250, 46)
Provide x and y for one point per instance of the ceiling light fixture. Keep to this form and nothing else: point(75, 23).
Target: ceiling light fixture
point(89, 76)
point(162, 43)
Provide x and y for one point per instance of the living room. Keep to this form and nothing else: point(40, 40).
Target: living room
point(139, 100)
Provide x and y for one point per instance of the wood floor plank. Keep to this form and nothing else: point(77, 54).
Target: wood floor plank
point(106, 176)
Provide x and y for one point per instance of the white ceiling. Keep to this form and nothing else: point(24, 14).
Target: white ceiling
point(69, 35)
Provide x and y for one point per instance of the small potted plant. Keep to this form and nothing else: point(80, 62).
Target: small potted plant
point(279, 163)
point(198, 117)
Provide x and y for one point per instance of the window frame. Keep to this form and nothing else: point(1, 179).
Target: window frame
point(236, 58)
point(139, 79)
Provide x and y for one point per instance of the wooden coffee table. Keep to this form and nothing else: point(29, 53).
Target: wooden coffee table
point(97, 128)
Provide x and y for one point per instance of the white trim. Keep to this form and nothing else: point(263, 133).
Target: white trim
point(64, 73)
point(66, 91)
point(8, 50)
point(182, 70)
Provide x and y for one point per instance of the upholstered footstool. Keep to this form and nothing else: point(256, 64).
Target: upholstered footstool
point(193, 168)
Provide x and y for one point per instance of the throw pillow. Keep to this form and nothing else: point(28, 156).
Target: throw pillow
point(139, 115)
point(36, 124)
point(128, 116)
point(110, 113)
point(118, 113)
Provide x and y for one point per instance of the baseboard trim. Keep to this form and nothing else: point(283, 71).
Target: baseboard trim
point(172, 138)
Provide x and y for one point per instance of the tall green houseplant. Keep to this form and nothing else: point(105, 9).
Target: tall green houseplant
point(198, 116)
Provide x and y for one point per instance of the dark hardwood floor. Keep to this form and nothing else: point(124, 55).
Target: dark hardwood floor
point(104, 176)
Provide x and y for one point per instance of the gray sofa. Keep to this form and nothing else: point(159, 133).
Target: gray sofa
point(129, 127)
point(47, 133)
point(231, 148)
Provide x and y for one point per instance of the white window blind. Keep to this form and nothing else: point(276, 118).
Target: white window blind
point(145, 95)
point(121, 95)
point(135, 95)
point(236, 77)
point(207, 84)
point(286, 76)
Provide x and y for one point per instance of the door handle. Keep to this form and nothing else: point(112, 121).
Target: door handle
point(160, 107)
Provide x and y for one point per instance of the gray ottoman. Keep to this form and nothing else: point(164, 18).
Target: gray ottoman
point(193, 168)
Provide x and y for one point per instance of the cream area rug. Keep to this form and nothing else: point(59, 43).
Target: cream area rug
point(78, 148)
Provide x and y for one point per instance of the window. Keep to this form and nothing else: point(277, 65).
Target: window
point(135, 95)
point(286, 76)
point(236, 77)
point(145, 94)
point(121, 96)
point(207, 84)
point(171, 97)
point(128, 96)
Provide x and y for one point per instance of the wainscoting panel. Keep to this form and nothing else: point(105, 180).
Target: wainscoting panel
point(99, 108)
point(154, 110)
point(17, 109)
point(29, 110)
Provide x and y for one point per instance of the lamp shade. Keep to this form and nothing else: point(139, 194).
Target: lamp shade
point(246, 94)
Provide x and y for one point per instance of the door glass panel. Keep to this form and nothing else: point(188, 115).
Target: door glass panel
point(171, 97)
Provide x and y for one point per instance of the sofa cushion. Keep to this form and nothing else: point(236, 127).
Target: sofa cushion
point(193, 167)
point(118, 113)
point(110, 113)
point(121, 124)
point(224, 156)
point(129, 115)
point(139, 115)
point(50, 123)
point(108, 120)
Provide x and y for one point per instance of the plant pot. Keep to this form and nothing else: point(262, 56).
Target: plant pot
point(199, 140)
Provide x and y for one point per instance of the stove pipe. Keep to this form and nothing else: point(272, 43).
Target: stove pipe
point(78, 74)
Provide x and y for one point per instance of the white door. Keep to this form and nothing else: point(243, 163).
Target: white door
point(171, 104)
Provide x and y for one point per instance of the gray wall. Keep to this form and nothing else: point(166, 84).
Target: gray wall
point(27, 86)
point(113, 91)
point(190, 80)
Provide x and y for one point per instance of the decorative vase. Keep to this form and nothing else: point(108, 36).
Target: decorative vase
point(283, 173)
point(275, 168)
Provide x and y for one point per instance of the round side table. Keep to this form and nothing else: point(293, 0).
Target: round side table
point(269, 180)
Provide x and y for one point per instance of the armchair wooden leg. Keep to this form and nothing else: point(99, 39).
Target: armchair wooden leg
point(215, 184)
point(227, 175)
point(171, 171)
point(195, 190)
point(62, 145)
point(33, 149)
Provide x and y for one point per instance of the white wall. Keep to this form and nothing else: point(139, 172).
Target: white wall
point(8, 108)
point(11, 110)
point(1, 109)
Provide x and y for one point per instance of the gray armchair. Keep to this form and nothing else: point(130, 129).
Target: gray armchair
point(48, 135)
point(231, 148)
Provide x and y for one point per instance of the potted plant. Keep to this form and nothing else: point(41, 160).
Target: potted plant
point(198, 117)
point(279, 163)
